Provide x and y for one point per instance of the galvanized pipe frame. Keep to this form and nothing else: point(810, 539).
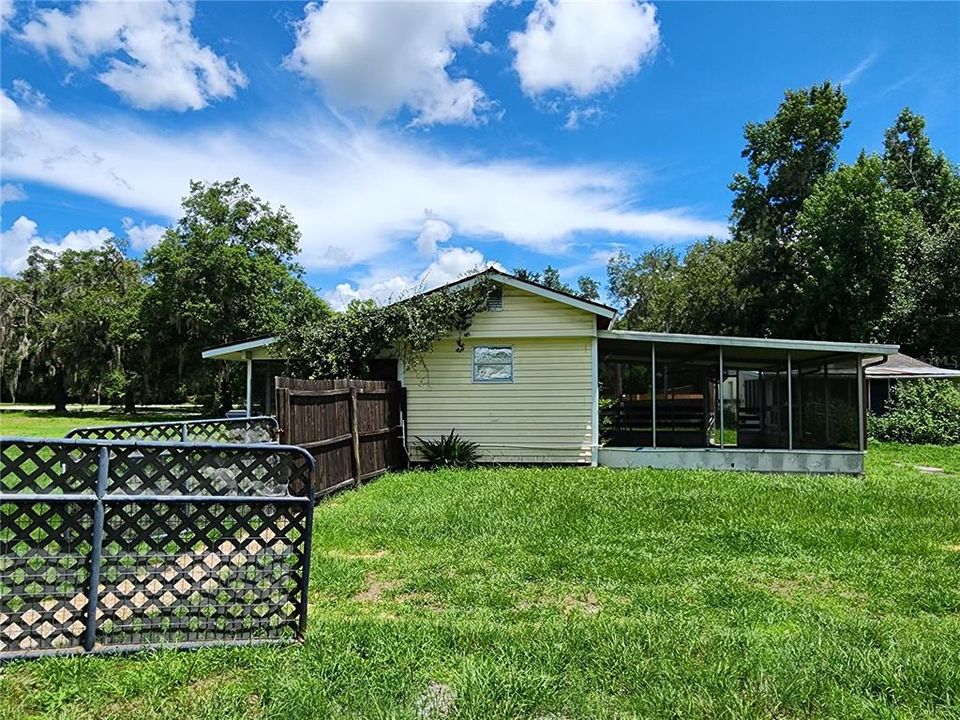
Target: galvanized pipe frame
point(183, 425)
point(100, 497)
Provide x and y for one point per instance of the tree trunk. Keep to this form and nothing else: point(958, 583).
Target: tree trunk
point(226, 399)
point(129, 401)
point(60, 390)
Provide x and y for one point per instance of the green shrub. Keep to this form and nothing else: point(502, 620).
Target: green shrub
point(449, 451)
point(920, 411)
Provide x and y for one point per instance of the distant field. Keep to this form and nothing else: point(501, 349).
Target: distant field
point(588, 593)
point(47, 423)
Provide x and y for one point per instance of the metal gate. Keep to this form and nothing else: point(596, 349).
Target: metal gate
point(121, 545)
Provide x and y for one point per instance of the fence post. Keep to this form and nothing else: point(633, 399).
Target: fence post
point(184, 433)
point(93, 593)
point(355, 432)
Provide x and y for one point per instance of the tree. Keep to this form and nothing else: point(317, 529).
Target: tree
point(929, 316)
point(661, 292)
point(645, 288)
point(911, 165)
point(224, 272)
point(852, 233)
point(74, 323)
point(786, 156)
point(16, 311)
point(587, 288)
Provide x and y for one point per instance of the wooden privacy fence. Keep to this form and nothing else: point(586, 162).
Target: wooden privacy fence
point(353, 428)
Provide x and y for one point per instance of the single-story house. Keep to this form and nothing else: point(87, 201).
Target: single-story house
point(883, 376)
point(542, 378)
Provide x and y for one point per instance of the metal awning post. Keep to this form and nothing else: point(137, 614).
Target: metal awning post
point(653, 389)
point(249, 357)
point(789, 401)
point(861, 415)
point(721, 397)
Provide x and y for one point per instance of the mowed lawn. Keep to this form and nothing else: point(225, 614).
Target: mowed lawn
point(46, 423)
point(577, 593)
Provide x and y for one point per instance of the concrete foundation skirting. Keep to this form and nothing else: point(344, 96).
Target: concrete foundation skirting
point(757, 460)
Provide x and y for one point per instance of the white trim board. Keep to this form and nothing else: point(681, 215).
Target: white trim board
point(748, 342)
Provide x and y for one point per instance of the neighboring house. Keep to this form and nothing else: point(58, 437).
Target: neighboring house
point(882, 377)
point(527, 383)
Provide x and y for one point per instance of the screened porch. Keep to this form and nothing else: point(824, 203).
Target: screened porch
point(749, 401)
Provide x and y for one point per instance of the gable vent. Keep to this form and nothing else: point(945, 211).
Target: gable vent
point(495, 302)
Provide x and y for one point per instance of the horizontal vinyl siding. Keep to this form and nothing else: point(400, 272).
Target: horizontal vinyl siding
point(527, 315)
point(543, 416)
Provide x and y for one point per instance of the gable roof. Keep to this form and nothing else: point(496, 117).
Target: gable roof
point(599, 309)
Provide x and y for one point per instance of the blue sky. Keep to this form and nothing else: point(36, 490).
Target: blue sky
point(415, 141)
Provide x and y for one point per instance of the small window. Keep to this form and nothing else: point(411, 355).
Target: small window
point(495, 301)
point(492, 364)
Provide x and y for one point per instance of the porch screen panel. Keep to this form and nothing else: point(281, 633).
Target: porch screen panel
point(626, 405)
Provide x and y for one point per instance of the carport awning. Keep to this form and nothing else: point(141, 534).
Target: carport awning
point(628, 344)
point(266, 348)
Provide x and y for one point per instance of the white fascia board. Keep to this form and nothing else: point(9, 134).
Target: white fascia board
point(600, 310)
point(749, 342)
point(238, 347)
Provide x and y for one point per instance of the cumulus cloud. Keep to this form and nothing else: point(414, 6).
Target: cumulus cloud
point(582, 48)
point(432, 233)
point(447, 265)
point(142, 236)
point(16, 242)
point(11, 192)
point(152, 58)
point(380, 57)
point(357, 195)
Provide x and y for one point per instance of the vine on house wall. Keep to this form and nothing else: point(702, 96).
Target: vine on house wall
point(347, 343)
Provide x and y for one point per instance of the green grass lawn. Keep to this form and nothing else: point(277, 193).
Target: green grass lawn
point(577, 593)
point(46, 423)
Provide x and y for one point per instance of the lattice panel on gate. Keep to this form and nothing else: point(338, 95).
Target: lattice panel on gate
point(188, 572)
point(208, 470)
point(219, 430)
point(45, 553)
point(168, 543)
point(30, 466)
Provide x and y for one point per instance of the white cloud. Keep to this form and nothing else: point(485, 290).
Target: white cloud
point(432, 233)
point(382, 56)
point(142, 236)
point(577, 116)
point(447, 265)
point(582, 48)
point(153, 59)
point(11, 192)
point(7, 11)
point(16, 242)
point(10, 116)
point(853, 75)
point(357, 195)
point(28, 94)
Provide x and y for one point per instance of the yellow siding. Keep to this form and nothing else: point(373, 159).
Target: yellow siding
point(543, 416)
point(527, 315)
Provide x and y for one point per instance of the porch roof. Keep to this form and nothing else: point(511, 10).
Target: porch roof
point(903, 366)
point(264, 348)
point(751, 350)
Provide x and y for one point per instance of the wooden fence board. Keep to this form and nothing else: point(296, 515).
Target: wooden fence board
point(353, 428)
